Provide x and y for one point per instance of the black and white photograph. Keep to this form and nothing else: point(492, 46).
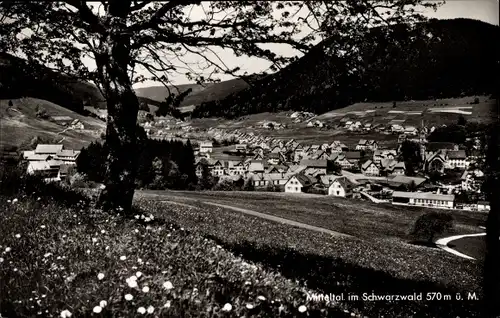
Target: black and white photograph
point(190, 158)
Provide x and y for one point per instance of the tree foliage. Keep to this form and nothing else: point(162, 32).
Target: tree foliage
point(428, 225)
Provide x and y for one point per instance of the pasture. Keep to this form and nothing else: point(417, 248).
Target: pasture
point(19, 124)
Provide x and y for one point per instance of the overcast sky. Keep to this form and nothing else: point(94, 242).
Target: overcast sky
point(484, 10)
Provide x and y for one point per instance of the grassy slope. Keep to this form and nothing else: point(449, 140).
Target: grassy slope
point(22, 125)
point(482, 112)
point(339, 265)
point(53, 266)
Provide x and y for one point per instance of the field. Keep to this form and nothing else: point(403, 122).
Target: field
point(432, 113)
point(20, 124)
point(377, 259)
point(365, 221)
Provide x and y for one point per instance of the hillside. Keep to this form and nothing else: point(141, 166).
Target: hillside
point(18, 78)
point(19, 124)
point(200, 94)
point(438, 59)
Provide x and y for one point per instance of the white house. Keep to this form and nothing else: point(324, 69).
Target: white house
point(298, 183)
point(456, 159)
point(341, 187)
point(424, 199)
point(206, 146)
point(483, 206)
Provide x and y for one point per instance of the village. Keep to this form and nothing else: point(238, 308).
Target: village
point(448, 177)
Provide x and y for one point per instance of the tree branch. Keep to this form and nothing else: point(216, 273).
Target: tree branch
point(88, 16)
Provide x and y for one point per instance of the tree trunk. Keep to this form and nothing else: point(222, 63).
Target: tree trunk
point(123, 106)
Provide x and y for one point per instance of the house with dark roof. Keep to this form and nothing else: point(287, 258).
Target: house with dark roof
point(456, 159)
point(314, 166)
point(341, 187)
point(369, 168)
point(299, 183)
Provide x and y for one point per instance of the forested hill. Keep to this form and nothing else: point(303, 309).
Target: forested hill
point(437, 59)
point(20, 78)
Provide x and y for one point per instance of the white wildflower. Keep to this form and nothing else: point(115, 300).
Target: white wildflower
point(14, 201)
point(141, 310)
point(132, 284)
point(42, 226)
point(1, 259)
point(103, 231)
point(8, 249)
point(129, 297)
point(107, 248)
point(100, 276)
point(261, 298)
point(167, 304)
point(18, 235)
point(151, 309)
point(227, 307)
point(123, 257)
point(302, 308)
point(136, 216)
point(249, 306)
point(103, 303)
point(65, 314)
point(136, 231)
point(97, 309)
point(138, 274)
point(168, 285)
point(8, 201)
point(145, 289)
point(88, 251)
point(94, 240)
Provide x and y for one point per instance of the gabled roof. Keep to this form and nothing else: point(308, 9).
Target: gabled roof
point(362, 142)
point(367, 164)
point(68, 153)
point(304, 180)
point(313, 163)
point(52, 149)
point(39, 165)
point(328, 179)
point(35, 157)
point(408, 180)
point(344, 182)
point(256, 166)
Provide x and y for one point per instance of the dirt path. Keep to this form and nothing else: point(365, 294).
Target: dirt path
point(169, 198)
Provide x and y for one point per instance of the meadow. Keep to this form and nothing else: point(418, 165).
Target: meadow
point(378, 258)
point(19, 124)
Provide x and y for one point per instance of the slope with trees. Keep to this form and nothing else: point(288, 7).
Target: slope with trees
point(434, 59)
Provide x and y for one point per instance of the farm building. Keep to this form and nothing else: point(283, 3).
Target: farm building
point(424, 199)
